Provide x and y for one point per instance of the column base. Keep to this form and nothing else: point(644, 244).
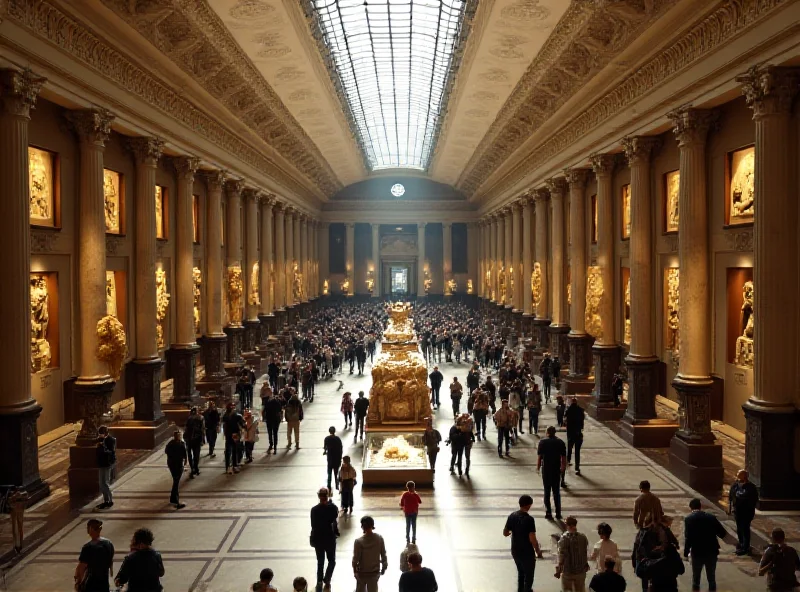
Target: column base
point(83, 473)
point(280, 321)
point(268, 326)
point(770, 455)
point(647, 433)
point(642, 388)
point(183, 362)
point(252, 330)
point(540, 333)
point(235, 335)
point(215, 350)
point(291, 316)
point(20, 449)
point(143, 379)
point(141, 435)
point(559, 344)
point(606, 360)
point(580, 355)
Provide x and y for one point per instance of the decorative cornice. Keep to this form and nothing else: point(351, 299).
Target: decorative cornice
point(769, 90)
point(18, 91)
point(557, 187)
point(72, 37)
point(186, 167)
point(93, 126)
point(638, 149)
point(146, 150)
point(722, 25)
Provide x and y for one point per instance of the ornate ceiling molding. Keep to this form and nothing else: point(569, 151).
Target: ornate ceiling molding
point(193, 36)
point(720, 26)
point(585, 40)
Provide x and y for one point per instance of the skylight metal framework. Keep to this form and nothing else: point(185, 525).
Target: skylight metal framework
point(393, 62)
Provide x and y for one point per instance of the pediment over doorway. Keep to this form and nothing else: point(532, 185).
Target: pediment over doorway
point(393, 245)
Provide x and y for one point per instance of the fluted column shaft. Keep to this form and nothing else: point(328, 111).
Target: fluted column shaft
point(501, 241)
point(93, 128)
point(559, 307)
point(447, 252)
point(542, 256)
point(251, 255)
point(215, 180)
point(493, 266)
point(421, 261)
point(508, 238)
point(280, 258)
point(577, 258)
point(473, 255)
point(603, 165)
point(323, 255)
point(376, 260)
point(265, 265)
point(527, 256)
point(350, 266)
point(185, 166)
point(290, 256)
point(233, 207)
point(303, 264)
point(481, 258)
point(147, 152)
point(517, 246)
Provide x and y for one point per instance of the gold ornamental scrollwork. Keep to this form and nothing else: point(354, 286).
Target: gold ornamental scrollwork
point(594, 296)
point(112, 344)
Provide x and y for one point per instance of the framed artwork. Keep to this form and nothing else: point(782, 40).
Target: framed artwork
point(44, 321)
point(672, 185)
point(593, 202)
point(161, 212)
point(740, 186)
point(114, 197)
point(43, 187)
point(626, 211)
point(196, 219)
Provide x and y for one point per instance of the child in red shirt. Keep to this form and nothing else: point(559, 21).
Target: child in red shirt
point(410, 502)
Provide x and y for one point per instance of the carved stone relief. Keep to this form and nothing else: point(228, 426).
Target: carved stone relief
point(673, 313)
point(111, 294)
point(672, 182)
point(41, 353)
point(745, 353)
point(162, 304)
point(254, 298)
point(41, 179)
point(594, 295)
point(197, 280)
point(627, 311)
point(742, 193)
point(113, 203)
point(44, 241)
point(112, 344)
point(235, 293)
point(536, 287)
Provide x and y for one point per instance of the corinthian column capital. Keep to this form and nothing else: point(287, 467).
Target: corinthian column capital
point(250, 193)
point(267, 199)
point(234, 187)
point(146, 150)
point(92, 126)
point(19, 90)
point(215, 180)
point(603, 164)
point(691, 125)
point(186, 167)
point(638, 149)
point(769, 90)
point(576, 178)
point(541, 194)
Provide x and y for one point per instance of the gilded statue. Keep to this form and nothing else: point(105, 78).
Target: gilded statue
point(112, 344)
point(428, 281)
point(673, 197)
point(345, 285)
point(370, 281)
point(452, 286)
point(235, 294)
point(510, 299)
point(628, 311)
point(536, 287)
point(197, 281)
point(162, 304)
point(594, 295)
point(673, 311)
point(745, 352)
point(487, 282)
point(501, 284)
point(743, 184)
point(41, 355)
point(111, 294)
point(325, 288)
point(297, 283)
point(40, 174)
point(111, 199)
point(569, 293)
point(470, 288)
point(254, 298)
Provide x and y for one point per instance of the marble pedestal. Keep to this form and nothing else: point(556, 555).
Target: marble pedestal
point(291, 316)
point(281, 317)
point(606, 362)
point(559, 344)
point(580, 360)
point(83, 473)
point(252, 334)
point(183, 363)
point(20, 449)
point(770, 455)
point(540, 333)
point(235, 335)
point(268, 326)
point(149, 427)
point(640, 426)
point(215, 383)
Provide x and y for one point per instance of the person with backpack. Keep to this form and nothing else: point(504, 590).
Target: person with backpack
point(106, 459)
point(779, 563)
point(294, 415)
point(193, 436)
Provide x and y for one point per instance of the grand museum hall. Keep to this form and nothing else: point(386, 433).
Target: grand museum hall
point(190, 187)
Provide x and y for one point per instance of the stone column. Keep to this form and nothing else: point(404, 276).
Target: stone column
point(481, 259)
point(492, 251)
point(421, 260)
point(18, 410)
point(297, 259)
point(500, 257)
point(303, 263)
point(517, 247)
point(694, 455)
point(279, 269)
point(323, 256)
point(580, 342)
point(266, 268)
point(182, 356)
point(311, 243)
point(215, 342)
point(350, 265)
point(541, 265)
point(605, 351)
point(252, 271)
point(527, 257)
point(559, 326)
point(143, 373)
point(640, 425)
point(772, 418)
point(288, 269)
point(473, 258)
point(235, 277)
point(376, 261)
point(508, 238)
point(447, 258)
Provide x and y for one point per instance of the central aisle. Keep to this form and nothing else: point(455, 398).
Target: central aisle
point(233, 526)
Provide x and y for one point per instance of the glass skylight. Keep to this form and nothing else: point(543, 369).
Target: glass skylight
point(393, 60)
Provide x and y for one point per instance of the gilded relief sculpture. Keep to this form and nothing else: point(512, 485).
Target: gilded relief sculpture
point(162, 304)
point(325, 288)
point(235, 293)
point(40, 178)
point(297, 283)
point(745, 353)
point(742, 191)
point(111, 294)
point(428, 281)
point(112, 344)
point(452, 286)
point(41, 355)
point(673, 182)
point(501, 284)
point(344, 286)
point(510, 300)
point(673, 313)
point(111, 196)
point(160, 230)
point(197, 280)
point(536, 287)
point(626, 211)
point(628, 311)
point(254, 299)
point(470, 287)
point(594, 294)
point(487, 282)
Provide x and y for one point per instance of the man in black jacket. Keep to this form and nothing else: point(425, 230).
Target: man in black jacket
point(212, 419)
point(176, 461)
point(702, 530)
point(332, 448)
point(575, 417)
point(742, 500)
point(360, 407)
point(193, 436)
point(106, 458)
point(273, 409)
point(324, 530)
point(436, 378)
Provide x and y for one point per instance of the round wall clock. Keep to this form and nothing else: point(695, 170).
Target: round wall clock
point(398, 190)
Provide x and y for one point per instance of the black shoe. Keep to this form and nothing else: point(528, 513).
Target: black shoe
point(548, 516)
point(577, 471)
point(102, 506)
point(180, 506)
point(191, 475)
point(558, 517)
point(500, 454)
point(508, 454)
point(563, 484)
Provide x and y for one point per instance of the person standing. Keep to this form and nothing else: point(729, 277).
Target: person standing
point(250, 434)
point(646, 505)
point(96, 561)
point(780, 562)
point(575, 418)
point(410, 502)
point(503, 419)
point(456, 392)
point(573, 562)
point(233, 423)
point(605, 548)
point(480, 409)
point(347, 409)
point(293, 413)
point(555, 373)
point(212, 422)
point(544, 372)
point(176, 462)
point(360, 407)
point(551, 463)
point(609, 579)
point(324, 531)
point(534, 409)
point(369, 557)
point(417, 578)
point(432, 438)
point(347, 482)
point(436, 379)
point(521, 527)
point(273, 413)
point(106, 459)
point(16, 501)
point(701, 531)
point(742, 502)
point(143, 568)
point(332, 448)
point(193, 436)
point(473, 379)
point(456, 441)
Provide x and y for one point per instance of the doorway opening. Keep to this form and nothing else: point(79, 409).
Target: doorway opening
point(399, 281)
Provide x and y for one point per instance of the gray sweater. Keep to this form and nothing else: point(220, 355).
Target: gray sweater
point(369, 554)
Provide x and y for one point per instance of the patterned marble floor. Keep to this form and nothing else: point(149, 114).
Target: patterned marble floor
point(233, 526)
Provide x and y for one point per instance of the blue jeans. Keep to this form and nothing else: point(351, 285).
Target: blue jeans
point(552, 482)
point(411, 525)
point(104, 476)
point(710, 563)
